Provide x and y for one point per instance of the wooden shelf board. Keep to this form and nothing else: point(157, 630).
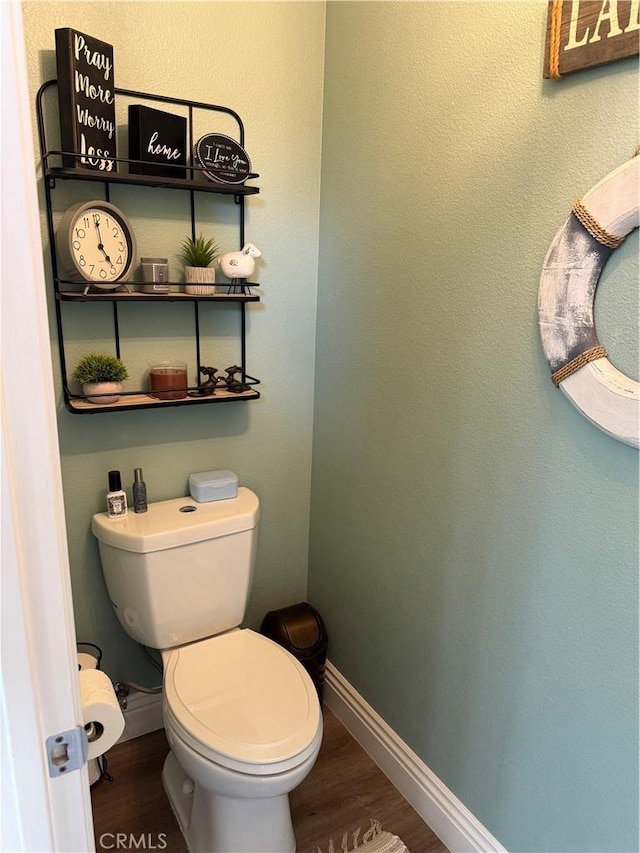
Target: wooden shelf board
point(143, 401)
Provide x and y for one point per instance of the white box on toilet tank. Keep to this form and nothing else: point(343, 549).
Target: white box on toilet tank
point(181, 571)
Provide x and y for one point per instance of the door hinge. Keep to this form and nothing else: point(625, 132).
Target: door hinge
point(67, 751)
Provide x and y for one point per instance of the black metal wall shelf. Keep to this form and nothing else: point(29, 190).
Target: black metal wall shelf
point(62, 173)
point(67, 292)
point(138, 296)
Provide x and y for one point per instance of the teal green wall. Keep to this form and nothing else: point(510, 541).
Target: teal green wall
point(264, 60)
point(474, 540)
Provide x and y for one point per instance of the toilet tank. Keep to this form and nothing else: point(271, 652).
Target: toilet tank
point(181, 571)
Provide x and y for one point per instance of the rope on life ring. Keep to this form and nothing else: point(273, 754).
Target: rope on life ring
point(597, 225)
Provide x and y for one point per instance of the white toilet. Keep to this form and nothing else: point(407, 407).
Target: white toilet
point(241, 714)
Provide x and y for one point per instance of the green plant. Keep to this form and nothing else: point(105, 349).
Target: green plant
point(100, 367)
point(198, 252)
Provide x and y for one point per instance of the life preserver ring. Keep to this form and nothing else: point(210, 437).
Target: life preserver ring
point(579, 365)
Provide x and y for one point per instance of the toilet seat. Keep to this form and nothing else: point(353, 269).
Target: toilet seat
point(243, 702)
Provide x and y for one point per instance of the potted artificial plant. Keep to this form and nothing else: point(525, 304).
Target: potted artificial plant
point(198, 254)
point(101, 374)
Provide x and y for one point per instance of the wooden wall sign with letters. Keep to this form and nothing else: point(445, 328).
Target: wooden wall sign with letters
point(160, 139)
point(87, 100)
point(222, 159)
point(584, 33)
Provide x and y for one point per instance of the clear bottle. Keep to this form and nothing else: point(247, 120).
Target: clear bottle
point(116, 497)
point(139, 492)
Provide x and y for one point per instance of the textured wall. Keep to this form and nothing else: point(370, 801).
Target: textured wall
point(264, 60)
point(474, 540)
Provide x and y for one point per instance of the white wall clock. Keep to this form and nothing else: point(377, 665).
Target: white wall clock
point(598, 224)
point(96, 244)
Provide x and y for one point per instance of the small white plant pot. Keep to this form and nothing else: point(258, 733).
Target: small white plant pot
point(112, 389)
point(200, 281)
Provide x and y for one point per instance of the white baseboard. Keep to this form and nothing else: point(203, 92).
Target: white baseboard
point(142, 715)
point(451, 821)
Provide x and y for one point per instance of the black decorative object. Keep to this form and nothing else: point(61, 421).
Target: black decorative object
point(206, 389)
point(160, 139)
point(87, 101)
point(234, 385)
point(222, 158)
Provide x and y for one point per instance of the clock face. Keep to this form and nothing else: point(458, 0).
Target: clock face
point(97, 244)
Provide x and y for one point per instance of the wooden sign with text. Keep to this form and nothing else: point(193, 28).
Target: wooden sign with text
point(87, 100)
point(222, 159)
point(584, 33)
point(160, 139)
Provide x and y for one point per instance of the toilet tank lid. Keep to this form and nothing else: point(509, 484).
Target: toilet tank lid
point(180, 521)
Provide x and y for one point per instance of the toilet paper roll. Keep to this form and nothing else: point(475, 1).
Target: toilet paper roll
point(86, 661)
point(101, 712)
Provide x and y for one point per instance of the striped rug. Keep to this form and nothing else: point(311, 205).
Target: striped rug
point(372, 840)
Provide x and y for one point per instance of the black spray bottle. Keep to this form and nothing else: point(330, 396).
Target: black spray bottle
point(139, 492)
point(116, 497)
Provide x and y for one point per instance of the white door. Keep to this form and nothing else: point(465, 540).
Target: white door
point(39, 692)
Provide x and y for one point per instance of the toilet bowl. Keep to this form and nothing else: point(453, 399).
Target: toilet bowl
point(241, 714)
point(244, 726)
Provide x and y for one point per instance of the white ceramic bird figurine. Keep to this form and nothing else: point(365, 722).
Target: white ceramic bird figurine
point(238, 266)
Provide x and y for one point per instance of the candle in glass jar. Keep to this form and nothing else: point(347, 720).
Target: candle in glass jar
point(168, 380)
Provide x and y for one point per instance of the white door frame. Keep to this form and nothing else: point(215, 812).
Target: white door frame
point(39, 690)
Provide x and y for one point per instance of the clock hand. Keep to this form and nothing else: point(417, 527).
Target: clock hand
point(101, 244)
point(106, 257)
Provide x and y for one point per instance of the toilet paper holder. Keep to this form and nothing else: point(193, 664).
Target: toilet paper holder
point(93, 730)
point(70, 750)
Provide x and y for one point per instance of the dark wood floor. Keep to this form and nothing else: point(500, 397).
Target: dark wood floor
point(344, 790)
